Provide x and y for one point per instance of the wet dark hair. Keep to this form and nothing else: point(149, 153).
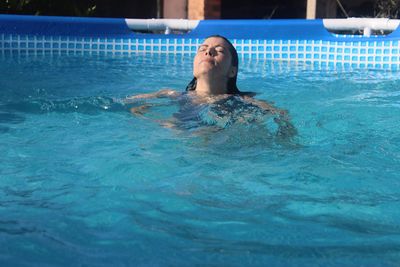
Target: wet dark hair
point(231, 86)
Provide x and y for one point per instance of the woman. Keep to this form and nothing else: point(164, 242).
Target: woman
point(215, 70)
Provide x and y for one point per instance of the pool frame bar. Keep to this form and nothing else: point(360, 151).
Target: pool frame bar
point(304, 41)
point(366, 25)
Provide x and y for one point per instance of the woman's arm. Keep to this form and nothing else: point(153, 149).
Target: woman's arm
point(142, 109)
point(263, 105)
point(286, 128)
point(160, 94)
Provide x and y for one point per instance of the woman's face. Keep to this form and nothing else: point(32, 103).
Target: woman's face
point(214, 60)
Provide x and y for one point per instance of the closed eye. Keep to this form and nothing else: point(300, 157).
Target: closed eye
point(202, 48)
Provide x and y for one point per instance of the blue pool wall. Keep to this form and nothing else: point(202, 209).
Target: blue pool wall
point(276, 40)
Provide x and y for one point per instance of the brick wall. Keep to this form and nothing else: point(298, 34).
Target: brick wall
point(175, 9)
point(204, 9)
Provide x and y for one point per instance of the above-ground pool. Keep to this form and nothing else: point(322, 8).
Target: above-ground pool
point(84, 182)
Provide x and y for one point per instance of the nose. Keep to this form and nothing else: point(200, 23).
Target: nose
point(210, 51)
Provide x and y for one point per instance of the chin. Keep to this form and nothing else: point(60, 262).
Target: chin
point(206, 70)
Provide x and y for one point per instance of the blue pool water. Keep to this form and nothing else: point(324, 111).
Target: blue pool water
point(85, 183)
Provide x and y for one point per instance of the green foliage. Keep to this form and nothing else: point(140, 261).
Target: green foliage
point(49, 7)
point(387, 8)
point(109, 8)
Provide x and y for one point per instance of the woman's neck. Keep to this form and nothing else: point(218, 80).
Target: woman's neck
point(205, 87)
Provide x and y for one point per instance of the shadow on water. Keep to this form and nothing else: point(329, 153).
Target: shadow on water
point(86, 105)
point(4, 129)
point(9, 118)
point(6, 117)
point(16, 112)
